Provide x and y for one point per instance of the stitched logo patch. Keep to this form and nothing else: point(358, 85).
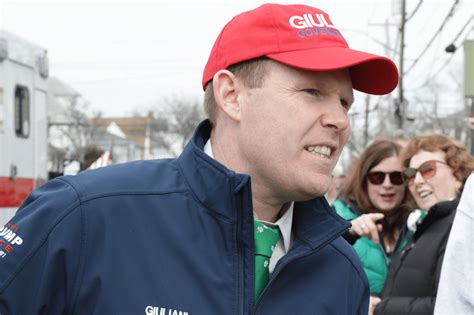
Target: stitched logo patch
point(310, 20)
point(9, 238)
point(156, 310)
point(313, 24)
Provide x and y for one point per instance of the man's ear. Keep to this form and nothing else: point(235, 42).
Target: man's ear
point(226, 89)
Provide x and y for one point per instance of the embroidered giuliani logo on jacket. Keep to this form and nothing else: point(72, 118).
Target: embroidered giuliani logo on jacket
point(156, 310)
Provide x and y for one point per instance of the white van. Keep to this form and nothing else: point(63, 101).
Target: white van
point(23, 121)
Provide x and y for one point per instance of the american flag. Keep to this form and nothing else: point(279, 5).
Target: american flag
point(104, 160)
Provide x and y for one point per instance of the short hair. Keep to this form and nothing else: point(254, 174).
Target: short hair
point(252, 73)
point(355, 190)
point(457, 157)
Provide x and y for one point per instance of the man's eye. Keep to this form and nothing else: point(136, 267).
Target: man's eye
point(312, 91)
point(345, 104)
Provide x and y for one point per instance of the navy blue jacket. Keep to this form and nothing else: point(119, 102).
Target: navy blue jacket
point(168, 237)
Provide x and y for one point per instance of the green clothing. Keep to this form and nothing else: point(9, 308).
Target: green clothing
point(373, 256)
point(265, 240)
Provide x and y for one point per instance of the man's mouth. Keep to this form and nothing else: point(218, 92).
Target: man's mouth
point(320, 149)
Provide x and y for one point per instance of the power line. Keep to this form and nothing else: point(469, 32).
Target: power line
point(448, 16)
point(375, 40)
point(415, 10)
point(440, 69)
point(463, 28)
point(448, 60)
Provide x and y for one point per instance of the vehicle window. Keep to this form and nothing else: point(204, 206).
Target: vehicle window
point(22, 111)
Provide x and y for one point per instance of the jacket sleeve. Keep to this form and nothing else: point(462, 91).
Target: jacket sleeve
point(456, 292)
point(363, 308)
point(40, 251)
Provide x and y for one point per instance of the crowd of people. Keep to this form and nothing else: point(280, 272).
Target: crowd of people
point(401, 202)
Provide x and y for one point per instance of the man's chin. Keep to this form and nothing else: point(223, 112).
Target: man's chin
point(318, 190)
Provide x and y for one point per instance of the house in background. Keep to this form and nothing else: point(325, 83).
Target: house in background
point(73, 135)
point(139, 130)
point(113, 139)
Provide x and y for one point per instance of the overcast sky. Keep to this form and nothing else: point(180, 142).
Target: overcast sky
point(126, 55)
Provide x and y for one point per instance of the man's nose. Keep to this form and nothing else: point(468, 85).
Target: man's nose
point(335, 116)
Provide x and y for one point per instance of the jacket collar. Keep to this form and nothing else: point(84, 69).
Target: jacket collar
point(438, 211)
point(214, 185)
point(316, 222)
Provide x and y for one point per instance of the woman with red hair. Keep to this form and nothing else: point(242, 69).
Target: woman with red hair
point(436, 170)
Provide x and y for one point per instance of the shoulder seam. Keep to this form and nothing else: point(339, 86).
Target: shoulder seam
point(76, 288)
point(128, 193)
point(84, 199)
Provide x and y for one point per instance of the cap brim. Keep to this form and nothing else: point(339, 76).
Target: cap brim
point(370, 73)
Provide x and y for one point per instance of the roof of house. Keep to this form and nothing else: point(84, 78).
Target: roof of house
point(134, 128)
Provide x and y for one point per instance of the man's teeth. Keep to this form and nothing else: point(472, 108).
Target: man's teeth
point(424, 194)
point(321, 149)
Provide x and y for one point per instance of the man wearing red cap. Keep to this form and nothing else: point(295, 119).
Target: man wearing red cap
point(237, 224)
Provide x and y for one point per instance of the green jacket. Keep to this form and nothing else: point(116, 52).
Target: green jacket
point(373, 256)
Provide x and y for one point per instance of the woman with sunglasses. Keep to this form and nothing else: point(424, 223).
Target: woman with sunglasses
point(374, 198)
point(437, 168)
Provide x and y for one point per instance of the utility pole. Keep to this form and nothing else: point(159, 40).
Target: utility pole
point(400, 109)
point(469, 85)
point(366, 119)
point(471, 122)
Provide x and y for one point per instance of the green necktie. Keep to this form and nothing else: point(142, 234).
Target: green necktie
point(265, 240)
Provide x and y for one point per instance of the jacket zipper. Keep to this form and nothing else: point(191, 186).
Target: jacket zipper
point(240, 247)
point(240, 250)
point(381, 246)
point(382, 249)
point(395, 248)
point(403, 256)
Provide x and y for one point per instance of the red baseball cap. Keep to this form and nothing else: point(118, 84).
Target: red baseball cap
point(301, 37)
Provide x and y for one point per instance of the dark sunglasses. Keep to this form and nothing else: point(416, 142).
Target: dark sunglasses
point(427, 170)
point(377, 178)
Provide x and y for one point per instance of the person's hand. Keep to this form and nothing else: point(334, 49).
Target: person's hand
point(366, 225)
point(373, 303)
